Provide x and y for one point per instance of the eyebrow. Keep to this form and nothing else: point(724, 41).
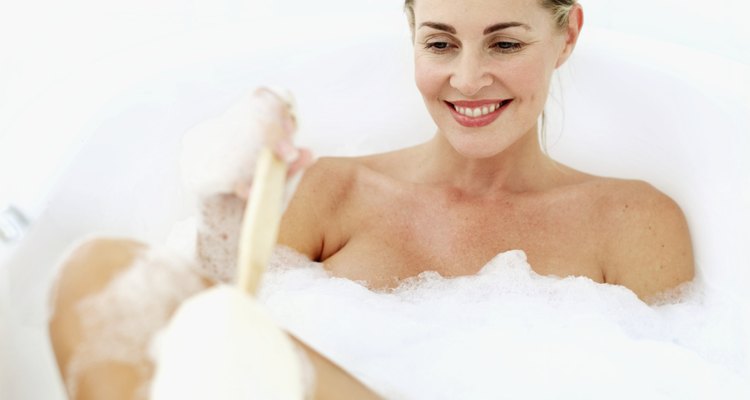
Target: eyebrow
point(505, 25)
point(487, 31)
point(439, 26)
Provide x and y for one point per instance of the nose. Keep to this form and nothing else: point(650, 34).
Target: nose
point(471, 74)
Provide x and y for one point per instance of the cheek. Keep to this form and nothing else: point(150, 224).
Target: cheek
point(526, 80)
point(529, 83)
point(429, 79)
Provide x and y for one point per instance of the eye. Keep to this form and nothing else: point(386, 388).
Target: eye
point(438, 47)
point(507, 47)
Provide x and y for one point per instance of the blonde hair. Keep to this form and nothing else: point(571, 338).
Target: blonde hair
point(560, 10)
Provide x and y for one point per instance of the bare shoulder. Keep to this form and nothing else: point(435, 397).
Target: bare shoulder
point(328, 177)
point(312, 211)
point(647, 241)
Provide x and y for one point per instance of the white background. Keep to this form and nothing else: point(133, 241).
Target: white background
point(48, 45)
point(45, 43)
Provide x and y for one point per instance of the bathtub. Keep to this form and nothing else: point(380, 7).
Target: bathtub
point(623, 106)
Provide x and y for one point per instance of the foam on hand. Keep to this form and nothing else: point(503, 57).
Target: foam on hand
point(220, 153)
point(218, 162)
point(509, 332)
point(221, 344)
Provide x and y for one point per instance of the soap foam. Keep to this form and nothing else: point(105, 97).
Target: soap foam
point(220, 154)
point(510, 332)
point(119, 321)
point(221, 344)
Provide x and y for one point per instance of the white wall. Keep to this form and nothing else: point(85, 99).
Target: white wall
point(45, 44)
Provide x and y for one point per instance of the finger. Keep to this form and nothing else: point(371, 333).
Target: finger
point(285, 150)
point(289, 124)
point(304, 160)
point(281, 102)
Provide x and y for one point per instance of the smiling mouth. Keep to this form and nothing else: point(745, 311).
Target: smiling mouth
point(477, 114)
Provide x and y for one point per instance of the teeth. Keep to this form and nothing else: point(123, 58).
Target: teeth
point(477, 112)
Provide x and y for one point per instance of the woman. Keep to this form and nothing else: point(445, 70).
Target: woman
point(480, 186)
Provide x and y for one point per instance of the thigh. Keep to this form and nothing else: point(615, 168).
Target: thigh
point(100, 277)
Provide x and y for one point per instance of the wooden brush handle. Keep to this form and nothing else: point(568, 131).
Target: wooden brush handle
point(260, 225)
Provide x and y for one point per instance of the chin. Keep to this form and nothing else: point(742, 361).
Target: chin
point(478, 143)
point(475, 146)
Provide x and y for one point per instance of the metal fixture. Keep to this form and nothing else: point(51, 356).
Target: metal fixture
point(13, 225)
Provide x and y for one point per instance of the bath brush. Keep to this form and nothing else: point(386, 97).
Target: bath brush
point(260, 226)
point(222, 343)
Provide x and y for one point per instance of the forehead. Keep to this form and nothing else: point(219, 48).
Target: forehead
point(471, 15)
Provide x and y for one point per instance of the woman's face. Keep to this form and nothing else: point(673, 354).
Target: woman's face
point(483, 68)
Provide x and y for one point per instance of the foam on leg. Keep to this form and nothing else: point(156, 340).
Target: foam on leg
point(111, 298)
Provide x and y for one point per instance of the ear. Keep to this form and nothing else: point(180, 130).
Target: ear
point(572, 31)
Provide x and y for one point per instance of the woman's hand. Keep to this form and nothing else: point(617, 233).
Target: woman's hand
point(219, 155)
point(278, 106)
point(218, 164)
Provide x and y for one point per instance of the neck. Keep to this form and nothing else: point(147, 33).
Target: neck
point(521, 167)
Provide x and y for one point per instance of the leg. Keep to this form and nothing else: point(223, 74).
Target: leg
point(86, 345)
point(88, 271)
point(99, 333)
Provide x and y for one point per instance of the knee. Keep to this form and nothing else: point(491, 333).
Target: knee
point(87, 270)
point(90, 266)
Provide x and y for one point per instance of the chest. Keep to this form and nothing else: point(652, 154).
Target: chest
point(397, 234)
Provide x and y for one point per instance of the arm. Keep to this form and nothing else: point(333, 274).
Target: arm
point(218, 159)
point(650, 250)
point(331, 381)
point(92, 268)
point(302, 223)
